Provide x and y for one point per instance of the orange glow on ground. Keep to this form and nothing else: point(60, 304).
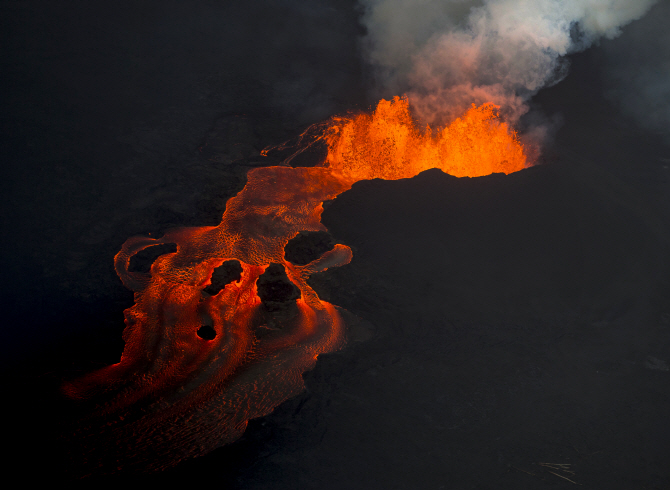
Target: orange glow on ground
point(174, 395)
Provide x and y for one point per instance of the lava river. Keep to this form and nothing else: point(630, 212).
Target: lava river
point(177, 393)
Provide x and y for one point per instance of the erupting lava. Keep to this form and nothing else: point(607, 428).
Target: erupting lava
point(388, 145)
point(175, 394)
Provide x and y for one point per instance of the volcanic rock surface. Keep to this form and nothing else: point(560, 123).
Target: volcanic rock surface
point(497, 323)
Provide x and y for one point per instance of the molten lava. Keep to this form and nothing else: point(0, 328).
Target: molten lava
point(175, 394)
point(388, 145)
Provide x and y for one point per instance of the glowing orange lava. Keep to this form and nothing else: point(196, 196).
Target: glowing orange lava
point(175, 395)
point(388, 145)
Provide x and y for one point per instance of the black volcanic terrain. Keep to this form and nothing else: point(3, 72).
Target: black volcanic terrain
point(496, 323)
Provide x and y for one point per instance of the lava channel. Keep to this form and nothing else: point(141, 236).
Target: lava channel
point(177, 392)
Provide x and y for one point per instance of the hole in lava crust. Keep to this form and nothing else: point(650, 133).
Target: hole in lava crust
point(206, 332)
point(229, 271)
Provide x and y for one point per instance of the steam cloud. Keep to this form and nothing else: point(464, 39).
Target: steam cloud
point(448, 54)
point(637, 71)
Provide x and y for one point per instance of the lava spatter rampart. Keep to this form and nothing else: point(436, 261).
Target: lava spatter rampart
point(176, 394)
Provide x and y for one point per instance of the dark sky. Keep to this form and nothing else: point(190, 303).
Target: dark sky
point(126, 118)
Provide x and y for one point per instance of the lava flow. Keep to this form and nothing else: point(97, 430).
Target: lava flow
point(176, 394)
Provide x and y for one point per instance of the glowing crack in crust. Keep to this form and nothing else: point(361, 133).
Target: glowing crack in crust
point(175, 395)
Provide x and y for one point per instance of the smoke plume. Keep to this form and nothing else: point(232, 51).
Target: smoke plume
point(448, 54)
point(637, 71)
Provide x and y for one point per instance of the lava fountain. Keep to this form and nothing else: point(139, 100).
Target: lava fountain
point(388, 145)
point(176, 394)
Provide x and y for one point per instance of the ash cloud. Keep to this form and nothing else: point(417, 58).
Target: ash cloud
point(447, 55)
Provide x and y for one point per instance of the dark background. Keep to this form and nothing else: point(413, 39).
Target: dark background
point(517, 319)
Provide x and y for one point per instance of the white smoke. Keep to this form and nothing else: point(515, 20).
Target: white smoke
point(637, 71)
point(448, 54)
